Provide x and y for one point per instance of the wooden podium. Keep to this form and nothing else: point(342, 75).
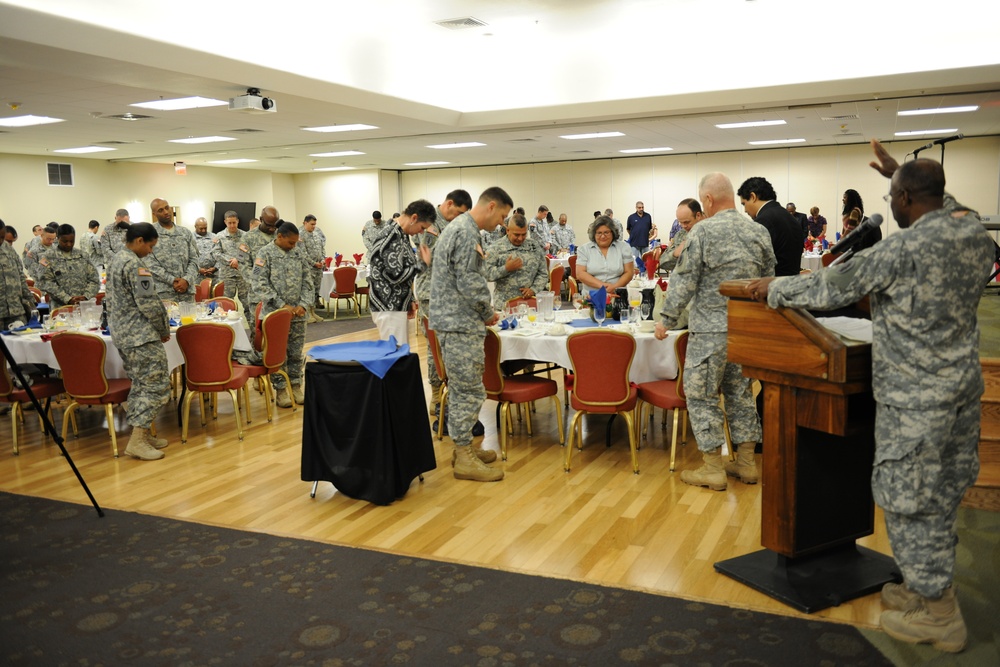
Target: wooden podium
point(819, 444)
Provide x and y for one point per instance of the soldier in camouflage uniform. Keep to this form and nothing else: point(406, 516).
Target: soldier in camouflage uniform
point(256, 239)
point(67, 276)
point(724, 246)
point(231, 254)
point(281, 279)
point(538, 228)
point(517, 264)
point(205, 242)
point(924, 283)
point(372, 230)
point(313, 246)
point(563, 235)
point(88, 244)
point(688, 215)
point(139, 328)
point(174, 261)
point(460, 306)
point(456, 203)
point(112, 240)
point(37, 247)
point(16, 301)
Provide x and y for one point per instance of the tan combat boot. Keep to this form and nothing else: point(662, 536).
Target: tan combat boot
point(936, 622)
point(484, 455)
point(745, 466)
point(156, 443)
point(468, 466)
point(298, 393)
point(283, 396)
point(711, 474)
point(313, 317)
point(139, 448)
point(899, 597)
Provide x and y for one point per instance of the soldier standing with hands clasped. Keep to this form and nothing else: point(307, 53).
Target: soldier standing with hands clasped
point(924, 283)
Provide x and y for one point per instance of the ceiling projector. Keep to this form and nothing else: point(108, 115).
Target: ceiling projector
point(252, 102)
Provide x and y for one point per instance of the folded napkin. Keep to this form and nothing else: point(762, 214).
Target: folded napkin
point(651, 263)
point(572, 248)
point(551, 256)
point(508, 324)
point(662, 284)
point(377, 356)
point(826, 244)
point(599, 299)
point(358, 256)
point(337, 259)
point(582, 324)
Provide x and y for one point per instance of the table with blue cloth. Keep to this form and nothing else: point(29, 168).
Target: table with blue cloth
point(365, 431)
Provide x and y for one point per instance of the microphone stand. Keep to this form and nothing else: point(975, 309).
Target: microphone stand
point(49, 428)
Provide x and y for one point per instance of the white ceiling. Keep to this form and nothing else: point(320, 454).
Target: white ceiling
point(663, 72)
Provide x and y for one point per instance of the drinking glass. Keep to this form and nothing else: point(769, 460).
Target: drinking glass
point(33, 317)
point(577, 302)
point(600, 316)
point(532, 315)
point(646, 309)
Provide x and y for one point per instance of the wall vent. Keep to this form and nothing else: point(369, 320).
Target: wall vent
point(60, 174)
point(846, 116)
point(463, 23)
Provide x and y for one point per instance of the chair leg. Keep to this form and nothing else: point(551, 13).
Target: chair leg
point(673, 439)
point(559, 421)
point(288, 385)
point(186, 414)
point(236, 411)
point(67, 420)
point(527, 415)
point(109, 411)
point(627, 416)
point(502, 432)
point(14, 409)
point(268, 392)
point(441, 411)
point(573, 431)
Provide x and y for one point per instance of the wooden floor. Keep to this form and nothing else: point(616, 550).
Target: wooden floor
point(599, 523)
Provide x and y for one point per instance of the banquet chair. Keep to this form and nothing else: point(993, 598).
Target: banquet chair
point(514, 390)
point(530, 302)
point(435, 352)
point(828, 258)
point(601, 361)
point(274, 351)
point(364, 291)
point(41, 387)
point(99, 298)
point(202, 290)
point(668, 395)
point(36, 294)
point(60, 310)
point(344, 288)
point(572, 267)
point(219, 290)
point(556, 279)
point(258, 333)
point(227, 304)
point(208, 349)
point(81, 359)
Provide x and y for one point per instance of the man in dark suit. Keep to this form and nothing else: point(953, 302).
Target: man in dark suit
point(802, 219)
point(758, 199)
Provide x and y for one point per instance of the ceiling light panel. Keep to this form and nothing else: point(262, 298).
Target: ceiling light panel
point(462, 144)
point(931, 112)
point(356, 127)
point(920, 133)
point(592, 135)
point(750, 123)
point(28, 121)
point(180, 103)
point(336, 154)
point(200, 140)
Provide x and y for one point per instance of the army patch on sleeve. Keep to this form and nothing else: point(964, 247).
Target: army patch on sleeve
point(244, 247)
point(43, 261)
point(479, 249)
point(145, 272)
point(260, 261)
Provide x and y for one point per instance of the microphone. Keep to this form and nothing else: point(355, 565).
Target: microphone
point(938, 142)
point(852, 239)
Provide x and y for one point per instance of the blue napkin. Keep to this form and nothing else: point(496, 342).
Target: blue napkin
point(508, 324)
point(377, 356)
point(582, 324)
point(826, 244)
point(838, 236)
point(33, 324)
point(599, 297)
point(572, 248)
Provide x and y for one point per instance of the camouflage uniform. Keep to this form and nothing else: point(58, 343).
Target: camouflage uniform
point(726, 246)
point(110, 243)
point(32, 253)
point(205, 244)
point(533, 273)
point(460, 305)
point(88, 246)
point(138, 322)
point(538, 231)
point(175, 255)
point(667, 260)
point(68, 274)
point(924, 283)
point(422, 286)
point(312, 245)
point(371, 233)
point(255, 240)
point(489, 238)
point(563, 236)
point(16, 301)
point(281, 278)
point(225, 247)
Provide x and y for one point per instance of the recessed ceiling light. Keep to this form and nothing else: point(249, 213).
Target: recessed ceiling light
point(464, 144)
point(84, 149)
point(592, 135)
point(424, 164)
point(931, 112)
point(770, 142)
point(340, 128)
point(751, 123)
point(200, 140)
point(25, 121)
point(333, 169)
point(180, 103)
point(647, 150)
point(918, 133)
point(336, 154)
point(239, 160)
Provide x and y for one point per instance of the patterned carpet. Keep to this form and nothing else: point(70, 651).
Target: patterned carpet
point(135, 589)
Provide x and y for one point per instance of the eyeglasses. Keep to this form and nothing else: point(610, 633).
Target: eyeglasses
point(604, 233)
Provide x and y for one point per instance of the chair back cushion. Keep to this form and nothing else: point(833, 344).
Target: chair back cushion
point(81, 360)
point(220, 289)
point(531, 302)
point(601, 362)
point(201, 292)
point(556, 278)
point(344, 278)
point(6, 384)
point(435, 348)
point(492, 377)
point(572, 267)
point(274, 347)
point(225, 303)
point(208, 351)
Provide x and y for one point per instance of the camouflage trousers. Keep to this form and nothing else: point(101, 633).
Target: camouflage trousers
point(432, 374)
point(294, 364)
point(706, 375)
point(924, 461)
point(317, 278)
point(464, 359)
point(146, 367)
point(186, 297)
point(235, 287)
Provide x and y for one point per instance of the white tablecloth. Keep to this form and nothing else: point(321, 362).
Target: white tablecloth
point(31, 349)
point(559, 261)
point(812, 261)
point(654, 359)
point(326, 284)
